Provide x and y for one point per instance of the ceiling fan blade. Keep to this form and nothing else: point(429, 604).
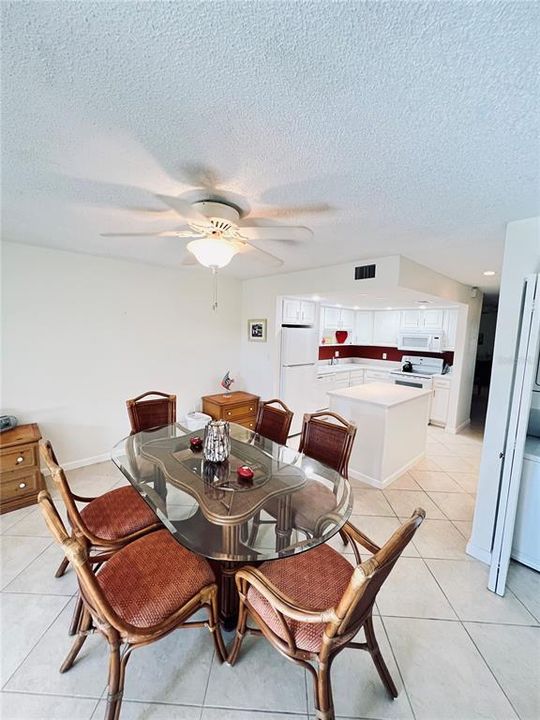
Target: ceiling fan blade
point(292, 210)
point(168, 233)
point(277, 232)
point(266, 257)
point(183, 208)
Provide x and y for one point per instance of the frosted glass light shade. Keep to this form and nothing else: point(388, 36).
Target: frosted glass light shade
point(212, 253)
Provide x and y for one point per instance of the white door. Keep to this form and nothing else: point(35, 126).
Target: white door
point(291, 311)
point(307, 312)
point(439, 403)
point(299, 346)
point(347, 319)
point(433, 319)
point(364, 327)
point(331, 318)
point(386, 327)
point(410, 319)
point(512, 464)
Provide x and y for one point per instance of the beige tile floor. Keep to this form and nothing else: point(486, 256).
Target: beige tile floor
point(456, 651)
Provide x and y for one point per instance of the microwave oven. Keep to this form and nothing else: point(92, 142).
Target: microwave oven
point(420, 341)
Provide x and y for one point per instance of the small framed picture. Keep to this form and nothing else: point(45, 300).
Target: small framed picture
point(257, 330)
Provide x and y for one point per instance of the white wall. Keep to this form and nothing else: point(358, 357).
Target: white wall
point(81, 334)
point(521, 257)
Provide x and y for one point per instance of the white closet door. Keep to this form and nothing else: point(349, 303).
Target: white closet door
point(524, 371)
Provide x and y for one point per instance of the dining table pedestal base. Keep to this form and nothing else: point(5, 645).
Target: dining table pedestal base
point(228, 599)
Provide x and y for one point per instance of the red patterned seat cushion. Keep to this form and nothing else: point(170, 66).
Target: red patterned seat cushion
point(118, 513)
point(315, 580)
point(151, 578)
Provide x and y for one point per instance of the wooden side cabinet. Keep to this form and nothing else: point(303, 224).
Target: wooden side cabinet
point(238, 407)
point(20, 477)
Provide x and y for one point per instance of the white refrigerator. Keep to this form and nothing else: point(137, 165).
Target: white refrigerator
point(299, 358)
point(509, 514)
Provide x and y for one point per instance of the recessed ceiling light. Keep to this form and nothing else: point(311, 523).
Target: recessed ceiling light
point(356, 307)
point(489, 273)
point(389, 308)
point(339, 305)
point(316, 298)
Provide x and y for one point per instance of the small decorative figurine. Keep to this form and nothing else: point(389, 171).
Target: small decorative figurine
point(227, 382)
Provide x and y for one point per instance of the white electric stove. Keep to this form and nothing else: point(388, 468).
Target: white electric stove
point(421, 373)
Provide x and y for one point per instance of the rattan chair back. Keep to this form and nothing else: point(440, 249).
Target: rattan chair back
point(152, 413)
point(274, 423)
point(368, 577)
point(328, 441)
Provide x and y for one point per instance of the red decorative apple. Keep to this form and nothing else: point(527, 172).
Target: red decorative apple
point(196, 443)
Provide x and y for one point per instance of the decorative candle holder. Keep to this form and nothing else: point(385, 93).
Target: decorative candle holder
point(196, 443)
point(245, 475)
point(217, 441)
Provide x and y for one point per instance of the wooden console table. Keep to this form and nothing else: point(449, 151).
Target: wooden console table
point(239, 407)
point(20, 476)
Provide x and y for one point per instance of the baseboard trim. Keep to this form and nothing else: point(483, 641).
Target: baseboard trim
point(459, 428)
point(381, 484)
point(478, 553)
point(81, 463)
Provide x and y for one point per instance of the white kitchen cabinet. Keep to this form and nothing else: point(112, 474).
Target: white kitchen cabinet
point(432, 319)
point(410, 319)
point(356, 377)
point(364, 327)
point(337, 318)
point(298, 312)
point(386, 327)
point(439, 402)
point(449, 328)
point(377, 376)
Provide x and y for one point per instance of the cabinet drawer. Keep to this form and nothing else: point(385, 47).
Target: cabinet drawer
point(23, 456)
point(239, 411)
point(247, 422)
point(18, 484)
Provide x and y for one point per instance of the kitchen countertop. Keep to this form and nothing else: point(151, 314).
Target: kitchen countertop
point(383, 394)
point(385, 365)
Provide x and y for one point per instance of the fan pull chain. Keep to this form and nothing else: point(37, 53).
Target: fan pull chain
point(215, 289)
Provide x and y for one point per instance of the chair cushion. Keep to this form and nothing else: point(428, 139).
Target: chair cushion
point(151, 578)
point(311, 503)
point(315, 580)
point(118, 513)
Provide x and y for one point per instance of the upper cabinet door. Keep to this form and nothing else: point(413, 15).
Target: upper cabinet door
point(364, 327)
point(410, 319)
point(386, 327)
point(450, 327)
point(291, 312)
point(433, 319)
point(332, 318)
point(347, 319)
point(307, 312)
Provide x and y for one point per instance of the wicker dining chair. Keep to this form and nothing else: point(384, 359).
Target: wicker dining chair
point(310, 606)
point(152, 413)
point(274, 422)
point(329, 442)
point(142, 593)
point(106, 523)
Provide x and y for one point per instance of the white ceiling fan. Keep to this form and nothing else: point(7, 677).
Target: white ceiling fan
point(218, 233)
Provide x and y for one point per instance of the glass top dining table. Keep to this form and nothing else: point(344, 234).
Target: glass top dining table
point(292, 504)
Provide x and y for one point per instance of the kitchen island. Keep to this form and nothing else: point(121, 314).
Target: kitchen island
point(391, 423)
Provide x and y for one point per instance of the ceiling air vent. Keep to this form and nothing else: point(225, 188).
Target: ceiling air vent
point(363, 272)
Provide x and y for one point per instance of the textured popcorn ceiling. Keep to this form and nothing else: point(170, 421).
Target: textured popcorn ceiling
point(414, 122)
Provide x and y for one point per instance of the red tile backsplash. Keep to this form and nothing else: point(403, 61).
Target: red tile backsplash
point(375, 352)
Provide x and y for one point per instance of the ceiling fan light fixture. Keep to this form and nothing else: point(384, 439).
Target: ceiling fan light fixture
point(211, 252)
